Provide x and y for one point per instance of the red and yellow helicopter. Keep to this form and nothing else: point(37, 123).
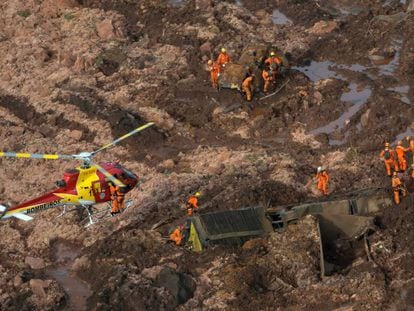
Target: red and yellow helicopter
point(83, 186)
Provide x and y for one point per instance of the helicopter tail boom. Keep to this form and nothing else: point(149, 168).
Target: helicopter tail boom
point(21, 216)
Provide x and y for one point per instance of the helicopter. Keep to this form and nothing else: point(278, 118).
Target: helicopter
point(83, 186)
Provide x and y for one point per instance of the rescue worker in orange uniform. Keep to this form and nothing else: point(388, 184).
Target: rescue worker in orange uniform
point(214, 73)
point(114, 201)
point(388, 156)
point(248, 87)
point(273, 62)
point(411, 145)
point(117, 198)
point(223, 58)
point(397, 187)
point(267, 78)
point(400, 151)
point(192, 204)
point(176, 236)
point(322, 179)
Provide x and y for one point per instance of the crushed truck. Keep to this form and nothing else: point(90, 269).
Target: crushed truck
point(343, 226)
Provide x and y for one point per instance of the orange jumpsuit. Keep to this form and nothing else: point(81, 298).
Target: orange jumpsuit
point(176, 236)
point(214, 74)
point(118, 198)
point(223, 59)
point(192, 205)
point(266, 79)
point(397, 186)
point(114, 200)
point(412, 147)
point(402, 162)
point(248, 88)
point(389, 163)
point(322, 179)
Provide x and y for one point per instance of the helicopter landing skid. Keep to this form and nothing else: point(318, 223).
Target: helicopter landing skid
point(96, 217)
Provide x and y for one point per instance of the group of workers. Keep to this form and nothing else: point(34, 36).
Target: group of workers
point(396, 166)
point(181, 233)
point(269, 66)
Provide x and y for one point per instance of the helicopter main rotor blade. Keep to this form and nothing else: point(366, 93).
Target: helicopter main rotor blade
point(108, 175)
point(139, 129)
point(35, 155)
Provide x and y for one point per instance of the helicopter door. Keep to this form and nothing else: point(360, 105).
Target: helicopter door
point(98, 190)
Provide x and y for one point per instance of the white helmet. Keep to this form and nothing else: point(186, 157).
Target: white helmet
point(320, 169)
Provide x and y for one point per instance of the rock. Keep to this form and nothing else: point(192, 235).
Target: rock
point(152, 273)
point(365, 118)
point(105, 29)
point(323, 27)
point(52, 8)
point(168, 164)
point(206, 48)
point(203, 4)
point(317, 98)
point(81, 263)
point(215, 169)
point(34, 262)
point(65, 58)
point(75, 134)
point(17, 281)
point(410, 6)
point(38, 287)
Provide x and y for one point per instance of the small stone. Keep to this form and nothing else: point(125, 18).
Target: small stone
point(38, 287)
point(34, 262)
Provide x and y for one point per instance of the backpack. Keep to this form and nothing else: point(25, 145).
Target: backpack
point(387, 154)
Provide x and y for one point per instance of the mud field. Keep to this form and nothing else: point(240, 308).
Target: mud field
point(76, 74)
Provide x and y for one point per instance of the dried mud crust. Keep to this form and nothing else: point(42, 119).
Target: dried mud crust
point(238, 154)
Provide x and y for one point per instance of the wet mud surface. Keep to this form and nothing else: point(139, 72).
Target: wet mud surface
point(358, 84)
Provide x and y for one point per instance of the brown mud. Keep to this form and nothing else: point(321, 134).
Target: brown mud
point(78, 74)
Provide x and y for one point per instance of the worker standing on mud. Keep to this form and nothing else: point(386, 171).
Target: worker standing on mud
point(114, 201)
point(214, 69)
point(267, 78)
point(248, 87)
point(322, 179)
point(397, 187)
point(192, 204)
point(223, 58)
point(388, 156)
point(400, 151)
point(117, 197)
point(273, 62)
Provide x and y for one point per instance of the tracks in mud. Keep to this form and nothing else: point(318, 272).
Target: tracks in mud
point(76, 289)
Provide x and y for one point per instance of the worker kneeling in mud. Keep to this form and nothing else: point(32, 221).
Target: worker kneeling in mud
point(322, 179)
point(398, 188)
point(180, 234)
point(248, 87)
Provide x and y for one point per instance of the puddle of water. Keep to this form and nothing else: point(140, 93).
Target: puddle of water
point(403, 135)
point(357, 96)
point(176, 3)
point(319, 70)
point(278, 18)
point(77, 290)
point(402, 91)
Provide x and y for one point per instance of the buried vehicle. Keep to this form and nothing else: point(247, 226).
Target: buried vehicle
point(251, 62)
point(343, 226)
